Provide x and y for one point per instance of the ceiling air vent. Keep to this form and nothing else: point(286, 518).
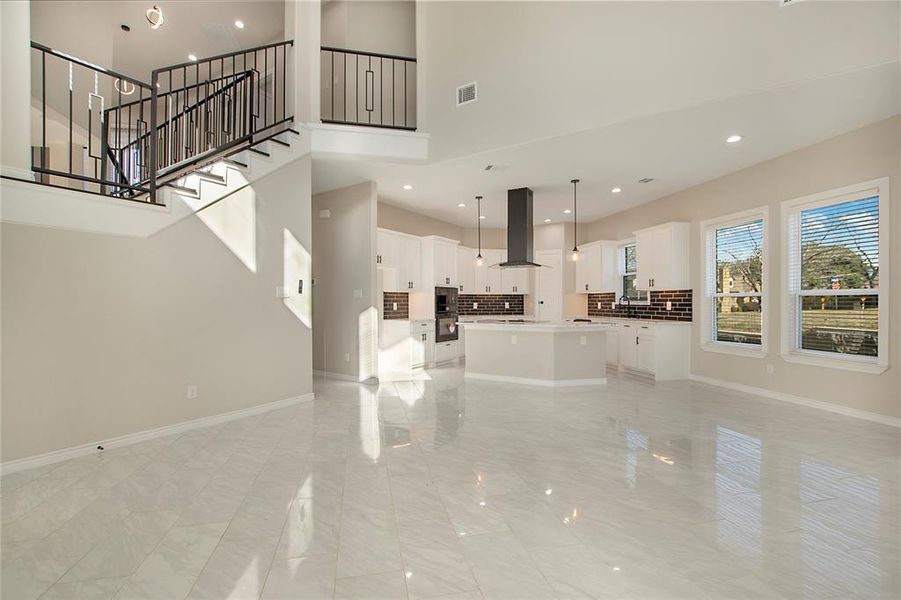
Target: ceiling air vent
point(646, 180)
point(467, 93)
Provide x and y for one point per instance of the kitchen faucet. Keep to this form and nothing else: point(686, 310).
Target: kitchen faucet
point(628, 302)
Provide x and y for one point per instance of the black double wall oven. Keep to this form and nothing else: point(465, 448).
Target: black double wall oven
point(446, 314)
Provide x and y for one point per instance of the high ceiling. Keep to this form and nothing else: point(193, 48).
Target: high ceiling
point(615, 92)
point(91, 30)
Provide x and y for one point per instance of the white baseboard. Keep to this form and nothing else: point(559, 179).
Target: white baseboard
point(339, 376)
point(40, 460)
point(538, 382)
point(801, 400)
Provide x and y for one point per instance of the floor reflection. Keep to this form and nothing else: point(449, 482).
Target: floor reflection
point(439, 487)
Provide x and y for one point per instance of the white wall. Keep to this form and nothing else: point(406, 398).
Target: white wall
point(387, 27)
point(102, 334)
point(862, 155)
point(346, 295)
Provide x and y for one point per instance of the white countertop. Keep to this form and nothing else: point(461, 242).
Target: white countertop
point(542, 326)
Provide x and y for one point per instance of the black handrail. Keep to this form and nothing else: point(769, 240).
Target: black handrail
point(189, 113)
point(341, 100)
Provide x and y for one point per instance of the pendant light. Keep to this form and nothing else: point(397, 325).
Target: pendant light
point(479, 260)
point(575, 252)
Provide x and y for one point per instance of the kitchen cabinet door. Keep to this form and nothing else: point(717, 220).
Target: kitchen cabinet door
point(646, 357)
point(586, 266)
point(445, 264)
point(411, 259)
point(663, 257)
point(628, 351)
point(466, 274)
point(387, 251)
point(515, 281)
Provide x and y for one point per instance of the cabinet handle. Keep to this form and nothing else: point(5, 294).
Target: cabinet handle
point(636, 340)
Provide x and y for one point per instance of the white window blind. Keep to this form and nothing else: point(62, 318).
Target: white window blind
point(734, 283)
point(833, 276)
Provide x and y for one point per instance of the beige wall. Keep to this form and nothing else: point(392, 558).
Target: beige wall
point(861, 155)
point(345, 315)
point(103, 334)
point(388, 27)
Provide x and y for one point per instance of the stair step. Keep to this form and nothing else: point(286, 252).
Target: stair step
point(259, 152)
point(278, 141)
point(210, 176)
point(233, 162)
point(184, 190)
point(293, 131)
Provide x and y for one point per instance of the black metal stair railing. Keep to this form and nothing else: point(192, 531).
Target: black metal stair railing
point(368, 88)
point(189, 115)
point(78, 144)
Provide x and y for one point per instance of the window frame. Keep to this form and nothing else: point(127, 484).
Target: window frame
point(790, 349)
point(621, 268)
point(708, 297)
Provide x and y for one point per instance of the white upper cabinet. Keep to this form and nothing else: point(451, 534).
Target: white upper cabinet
point(516, 281)
point(663, 254)
point(399, 257)
point(488, 276)
point(466, 274)
point(596, 268)
point(439, 261)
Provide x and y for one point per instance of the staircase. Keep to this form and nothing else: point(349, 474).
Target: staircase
point(196, 133)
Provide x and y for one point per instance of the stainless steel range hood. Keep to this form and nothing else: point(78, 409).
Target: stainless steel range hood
point(519, 230)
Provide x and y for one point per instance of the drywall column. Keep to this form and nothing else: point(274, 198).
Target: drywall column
point(345, 294)
point(302, 24)
point(15, 102)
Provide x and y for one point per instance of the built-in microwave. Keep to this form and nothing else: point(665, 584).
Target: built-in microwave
point(445, 314)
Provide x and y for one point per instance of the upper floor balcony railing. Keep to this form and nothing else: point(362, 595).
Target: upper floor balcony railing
point(368, 88)
point(104, 132)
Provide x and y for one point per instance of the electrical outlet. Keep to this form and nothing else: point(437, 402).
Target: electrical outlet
point(506, 305)
point(281, 291)
point(475, 305)
point(325, 213)
point(669, 305)
point(192, 392)
point(583, 340)
point(599, 306)
point(394, 306)
point(769, 369)
point(612, 306)
point(347, 357)
point(513, 340)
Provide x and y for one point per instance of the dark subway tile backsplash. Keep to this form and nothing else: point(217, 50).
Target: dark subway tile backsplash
point(681, 306)
point(490, 304)
point(403, 305)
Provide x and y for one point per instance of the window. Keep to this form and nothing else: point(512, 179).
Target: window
point(734, 266)
point(833, 245)
point(629, 266)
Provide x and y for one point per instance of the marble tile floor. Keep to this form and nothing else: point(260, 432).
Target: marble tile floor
point(440, 488)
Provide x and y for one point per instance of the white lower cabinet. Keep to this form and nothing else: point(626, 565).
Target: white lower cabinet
point(659, 349)
point(445, 351)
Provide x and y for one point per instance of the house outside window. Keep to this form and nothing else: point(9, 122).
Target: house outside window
point(735, 268)
point(629, 270)
point(835, 250)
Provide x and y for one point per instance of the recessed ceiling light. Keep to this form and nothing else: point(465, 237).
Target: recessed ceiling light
point(192, 57)
point(239, 24)
point(481, 216)
point(124, 27)
point(733, 139)
point(408, 186)
point(547, 220)
point(616, 190)
point(461, 205)
point(567, 211)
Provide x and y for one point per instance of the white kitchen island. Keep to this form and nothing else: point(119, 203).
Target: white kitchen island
point(537, 353)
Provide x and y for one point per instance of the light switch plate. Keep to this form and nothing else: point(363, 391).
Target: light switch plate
point(192, 392)
point(281, 291)
point(599, 306)
point(325, 213)
point(358, 293)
